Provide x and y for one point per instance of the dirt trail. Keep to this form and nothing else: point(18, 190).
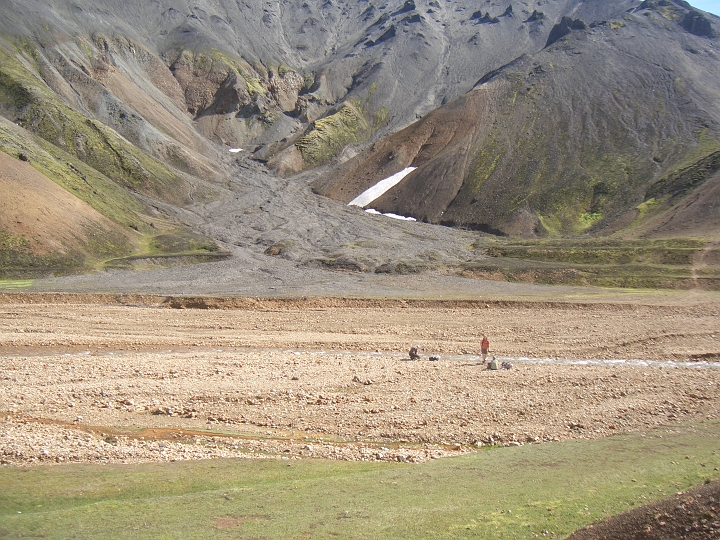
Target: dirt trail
point(700, 262)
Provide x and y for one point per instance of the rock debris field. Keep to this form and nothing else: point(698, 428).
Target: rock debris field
point(119, 379)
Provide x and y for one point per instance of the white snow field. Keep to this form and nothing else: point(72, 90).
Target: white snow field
point(370, 194)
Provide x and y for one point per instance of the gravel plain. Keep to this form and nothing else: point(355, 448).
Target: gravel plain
point(117, 379)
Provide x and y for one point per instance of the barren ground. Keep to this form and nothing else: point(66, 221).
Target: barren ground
point(91, 378)
point(690, 515)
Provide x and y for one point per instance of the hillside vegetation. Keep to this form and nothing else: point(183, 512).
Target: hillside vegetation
point(533, 120)
point(603, 131)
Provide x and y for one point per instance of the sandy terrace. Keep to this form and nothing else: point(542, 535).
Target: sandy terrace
point(94, 382)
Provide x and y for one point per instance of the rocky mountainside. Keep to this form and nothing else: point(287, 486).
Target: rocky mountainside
point(262, 75)
point(528, 118)
point(609, 127)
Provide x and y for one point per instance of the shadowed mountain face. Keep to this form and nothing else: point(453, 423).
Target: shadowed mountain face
point(525, 118)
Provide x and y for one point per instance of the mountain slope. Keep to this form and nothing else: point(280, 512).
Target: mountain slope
point(568, 139)
point(254, 74)
point(44, 226)
point(527, 118)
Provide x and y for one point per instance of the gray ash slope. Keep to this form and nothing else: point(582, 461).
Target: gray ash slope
point(608, 128)
point(408, 58)
point(616, 99)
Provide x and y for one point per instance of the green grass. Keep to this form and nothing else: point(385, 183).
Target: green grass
point(610, 262)
point(497, 493)
point(14, 284)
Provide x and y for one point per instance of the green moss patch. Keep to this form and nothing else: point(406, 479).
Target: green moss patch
point(14, 284)
point(609, 262)
point(676, 252)
point(331, 134)
point(587, 220)
point(182, 241)
point(17, 260)
point(76, 177)
point(144, 234)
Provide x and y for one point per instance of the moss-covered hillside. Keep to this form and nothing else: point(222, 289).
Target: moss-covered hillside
point(170, 121)
point(70, 183)
point(604, 131)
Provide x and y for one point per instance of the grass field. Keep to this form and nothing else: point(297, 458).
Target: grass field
point(14, 284)
point(519, 492)
point(604, 262)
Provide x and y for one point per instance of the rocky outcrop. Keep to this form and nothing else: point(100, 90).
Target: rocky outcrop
point(388, 34)
point(210, 83)
point(564, 28)
point(536, 16)
point(484, 19)
point(285, 89)
point(220, 89)
point(697, 24)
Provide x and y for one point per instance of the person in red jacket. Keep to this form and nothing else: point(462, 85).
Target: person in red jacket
point(484, 346)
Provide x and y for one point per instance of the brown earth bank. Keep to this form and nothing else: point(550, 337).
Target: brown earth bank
point(33, 207)
point(690, 515)
point(89, 378)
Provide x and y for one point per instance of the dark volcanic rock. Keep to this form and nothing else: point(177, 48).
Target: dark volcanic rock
point(690, 515)
point(412, 19)
point(388, 34)
point(484, 19)
point(409, 5)
point(563, 28)
point(696, 23)
point(536, 16)
point(501, 158)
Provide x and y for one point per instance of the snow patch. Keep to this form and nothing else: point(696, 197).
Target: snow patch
point(235, 150)
point(369, 195)
point(394, 216)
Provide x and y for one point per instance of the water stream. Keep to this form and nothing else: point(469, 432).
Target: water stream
point(470, 359)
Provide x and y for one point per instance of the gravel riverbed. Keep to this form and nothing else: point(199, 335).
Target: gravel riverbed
point(98, 382)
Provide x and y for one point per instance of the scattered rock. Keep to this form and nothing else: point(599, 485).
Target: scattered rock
point(418, 412)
